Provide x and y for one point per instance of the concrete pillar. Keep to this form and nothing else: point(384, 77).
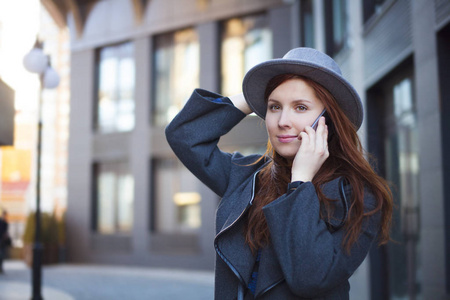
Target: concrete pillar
point(79, 178)
point(360, 281)
point(432, 250)
point(209, 55)
point(140, 148)
point(209, 36)
point(319, 25)
point(280, 24)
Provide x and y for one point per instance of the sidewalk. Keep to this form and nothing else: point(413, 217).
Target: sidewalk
point(98, 282)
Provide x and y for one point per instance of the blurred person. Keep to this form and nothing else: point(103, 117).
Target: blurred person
point(5, 240)
point(296, 222)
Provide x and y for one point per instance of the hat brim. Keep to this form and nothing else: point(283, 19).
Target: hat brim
point(257, 78)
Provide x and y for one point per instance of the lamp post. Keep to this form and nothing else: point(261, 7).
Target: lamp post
point(37, 62)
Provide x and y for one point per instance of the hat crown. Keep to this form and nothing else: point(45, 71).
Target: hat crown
point(313, 56)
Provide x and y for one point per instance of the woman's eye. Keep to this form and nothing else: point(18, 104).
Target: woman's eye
point(274, 107)
point(301, 108)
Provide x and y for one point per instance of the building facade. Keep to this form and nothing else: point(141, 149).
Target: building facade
point(134, 63)
point(7, 114)
point(18, 29)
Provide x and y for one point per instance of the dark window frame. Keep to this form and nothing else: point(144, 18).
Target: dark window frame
point(170, 36)
point(443, 44)
point(371, 8)
point(168, 242)
point(222, 32)
point(377, 119)
point(306, 8)
point(95, 105)
point(332, 48)
point(96, 171)
point(175, 166)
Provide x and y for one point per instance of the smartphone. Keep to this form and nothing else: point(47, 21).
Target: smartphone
point(316, 122)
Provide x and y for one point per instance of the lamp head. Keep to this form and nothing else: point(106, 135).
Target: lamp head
point(35, 61)
point(50, 79)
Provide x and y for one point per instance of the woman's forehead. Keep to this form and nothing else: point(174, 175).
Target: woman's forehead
point(294, 90)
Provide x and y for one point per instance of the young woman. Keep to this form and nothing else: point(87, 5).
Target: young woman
point(296, 222)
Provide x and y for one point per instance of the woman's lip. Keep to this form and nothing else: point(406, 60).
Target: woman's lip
point(286, 138)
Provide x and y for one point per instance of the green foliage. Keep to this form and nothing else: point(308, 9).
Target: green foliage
point(50, 230)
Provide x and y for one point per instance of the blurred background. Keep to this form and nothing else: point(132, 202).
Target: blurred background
point(112, 191)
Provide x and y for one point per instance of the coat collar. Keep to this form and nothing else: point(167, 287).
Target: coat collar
point(230, 242)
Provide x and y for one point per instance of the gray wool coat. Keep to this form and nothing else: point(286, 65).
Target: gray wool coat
point(305, 260)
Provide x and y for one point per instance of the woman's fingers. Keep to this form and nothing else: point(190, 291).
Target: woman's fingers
point(321, 137)
point(315, 141)
point(311, 134)
point(325, 141)
point(304, 137)
point(312, 153)
point(320, 133)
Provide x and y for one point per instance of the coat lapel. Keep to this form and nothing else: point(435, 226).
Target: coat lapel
point(235, 206)
point(232, 248)
point(230, 241)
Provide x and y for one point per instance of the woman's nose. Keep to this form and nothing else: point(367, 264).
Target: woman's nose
point(285, 119)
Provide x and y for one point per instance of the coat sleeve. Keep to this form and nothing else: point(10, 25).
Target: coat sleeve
point(312, 258)
point(194, 133)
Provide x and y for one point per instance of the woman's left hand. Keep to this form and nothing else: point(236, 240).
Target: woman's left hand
point(312, 153)
point(240, 103)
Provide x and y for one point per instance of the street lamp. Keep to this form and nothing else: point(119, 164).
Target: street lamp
point(37, 62)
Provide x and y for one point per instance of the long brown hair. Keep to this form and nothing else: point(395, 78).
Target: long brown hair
point(346, 159)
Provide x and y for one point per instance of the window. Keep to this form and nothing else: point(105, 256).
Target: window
point(443, 39)
point(307, 23)
point(114, 197)
point(393, 134)
point(245, 42)
point(176, 201)
point(402, 166)
point(116, 77)
point(336, 32)
point(371, 7)
point(176, 73)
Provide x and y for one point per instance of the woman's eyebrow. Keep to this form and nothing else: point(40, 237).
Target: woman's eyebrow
point(302, 100)
point(272, 101)
point(295, 101)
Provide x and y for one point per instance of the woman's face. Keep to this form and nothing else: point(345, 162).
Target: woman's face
point(291, 107)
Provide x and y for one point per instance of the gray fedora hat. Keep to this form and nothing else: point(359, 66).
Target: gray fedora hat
point(309, 63)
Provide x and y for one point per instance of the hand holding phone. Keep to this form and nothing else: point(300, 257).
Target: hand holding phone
point(312, 153)
point(316, 122)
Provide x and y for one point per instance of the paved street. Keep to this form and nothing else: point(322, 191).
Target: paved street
point(99, 282)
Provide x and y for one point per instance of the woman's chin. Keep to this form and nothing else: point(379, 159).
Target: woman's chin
point(286, 150)
point(289, 155)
